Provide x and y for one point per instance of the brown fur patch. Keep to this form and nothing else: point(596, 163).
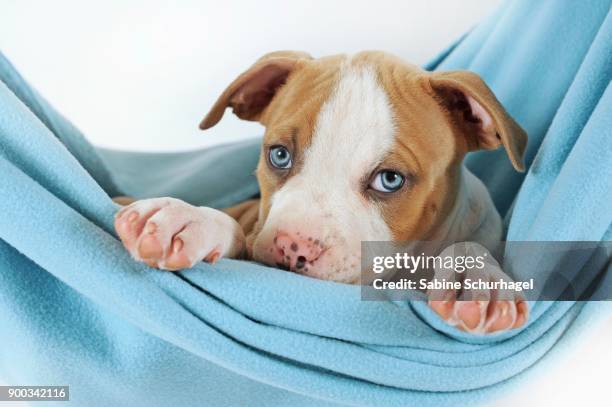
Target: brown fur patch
point(426, 150)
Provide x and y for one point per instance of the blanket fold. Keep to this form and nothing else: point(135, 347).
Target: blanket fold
point(77, 310)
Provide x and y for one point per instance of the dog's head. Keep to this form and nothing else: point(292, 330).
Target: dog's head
point(358, 148)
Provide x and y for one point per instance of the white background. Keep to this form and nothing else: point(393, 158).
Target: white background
point(141, 74)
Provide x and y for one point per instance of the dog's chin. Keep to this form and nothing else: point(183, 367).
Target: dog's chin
point(347, 270)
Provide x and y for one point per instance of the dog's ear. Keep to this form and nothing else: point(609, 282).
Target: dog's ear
point(478, 113)
point(250, 93)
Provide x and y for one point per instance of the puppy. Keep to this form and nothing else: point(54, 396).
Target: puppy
point(356, 148)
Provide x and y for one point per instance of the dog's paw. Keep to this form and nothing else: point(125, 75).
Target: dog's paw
point(170, 234)
point(482, 316)
point(479, 311)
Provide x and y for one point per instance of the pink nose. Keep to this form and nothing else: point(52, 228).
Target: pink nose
point(295, 251)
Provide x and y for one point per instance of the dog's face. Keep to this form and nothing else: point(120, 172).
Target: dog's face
point(358, 149)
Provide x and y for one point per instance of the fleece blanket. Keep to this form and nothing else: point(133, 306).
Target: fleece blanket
point(76, 310)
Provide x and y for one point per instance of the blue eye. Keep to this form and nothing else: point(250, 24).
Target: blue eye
point(387, 181)
point(280, 157)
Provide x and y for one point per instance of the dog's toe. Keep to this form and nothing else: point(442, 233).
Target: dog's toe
point(150, 247)
point(444, 303)
point(506, 315)
point(131, 221)
point(442, 308)
point(178, 258)
point(470, 314)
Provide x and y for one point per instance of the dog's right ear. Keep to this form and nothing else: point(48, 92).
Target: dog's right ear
point(254, 89)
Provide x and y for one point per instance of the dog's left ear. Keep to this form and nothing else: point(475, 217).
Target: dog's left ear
point(478, 113)
point(250, 93)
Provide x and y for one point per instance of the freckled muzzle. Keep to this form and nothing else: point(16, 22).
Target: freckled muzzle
point(296, 251)
point(316, 252)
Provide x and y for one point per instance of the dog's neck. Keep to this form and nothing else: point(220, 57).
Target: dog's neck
point(473, 216)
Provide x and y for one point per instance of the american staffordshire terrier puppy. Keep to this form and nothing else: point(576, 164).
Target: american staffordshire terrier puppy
point(356, 148)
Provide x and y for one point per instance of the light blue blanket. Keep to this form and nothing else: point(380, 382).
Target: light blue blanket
point(76, 310)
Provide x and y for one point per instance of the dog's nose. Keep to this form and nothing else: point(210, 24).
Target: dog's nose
point(296, 251)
